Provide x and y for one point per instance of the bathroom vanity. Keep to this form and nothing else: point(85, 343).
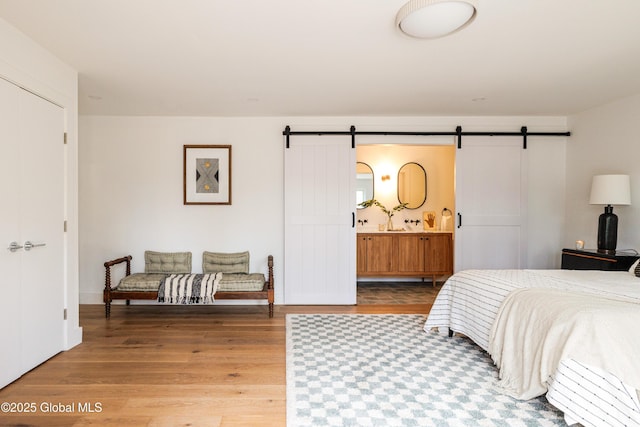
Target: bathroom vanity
point(405, 254)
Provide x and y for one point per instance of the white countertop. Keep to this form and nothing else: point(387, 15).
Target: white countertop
point(406, 229)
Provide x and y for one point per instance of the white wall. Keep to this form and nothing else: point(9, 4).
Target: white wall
point(604, 140)
point(131, 185)
point(132, 198)
point(546, 204)
point(28, 65)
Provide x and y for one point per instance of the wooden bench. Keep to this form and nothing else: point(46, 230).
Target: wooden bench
point(113, 293)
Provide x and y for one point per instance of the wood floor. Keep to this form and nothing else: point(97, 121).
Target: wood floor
point(173, 366)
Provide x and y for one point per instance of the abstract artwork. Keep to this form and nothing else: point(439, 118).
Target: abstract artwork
point(207, 175)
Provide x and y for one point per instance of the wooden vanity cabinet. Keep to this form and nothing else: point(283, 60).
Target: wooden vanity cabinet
point(375, 254)
point(410, 253)
point(405, 255)
point(438, 252)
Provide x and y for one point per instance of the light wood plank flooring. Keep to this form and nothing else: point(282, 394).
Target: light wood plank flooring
point(175, 366)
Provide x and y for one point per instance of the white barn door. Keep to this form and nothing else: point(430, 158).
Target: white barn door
point(319, 214)
point(491, 204)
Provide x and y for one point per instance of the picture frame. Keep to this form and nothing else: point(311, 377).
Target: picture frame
point(429, 220)
point(207, 174)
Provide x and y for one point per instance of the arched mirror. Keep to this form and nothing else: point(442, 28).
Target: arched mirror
point(412, 185)
point(364, 183)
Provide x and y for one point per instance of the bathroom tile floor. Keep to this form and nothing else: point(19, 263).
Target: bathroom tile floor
point(397, 292)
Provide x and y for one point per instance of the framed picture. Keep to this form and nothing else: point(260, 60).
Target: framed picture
point(429, 220)
point(207, 174)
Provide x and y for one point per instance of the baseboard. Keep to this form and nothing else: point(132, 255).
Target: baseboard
point(73, 338)
point(91, 298)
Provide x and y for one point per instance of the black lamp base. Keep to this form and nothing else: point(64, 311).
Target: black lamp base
point(607, 231)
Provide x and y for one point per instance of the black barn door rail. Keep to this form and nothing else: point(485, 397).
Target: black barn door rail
point(524, 133)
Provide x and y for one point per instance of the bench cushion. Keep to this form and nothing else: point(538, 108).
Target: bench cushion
point(141, 282)
point(241, 282)
point(144, 282)
point(214, 262)
point(167, 262)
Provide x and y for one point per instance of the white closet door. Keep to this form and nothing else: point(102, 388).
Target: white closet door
point(491, 202)
point(10, 262)
point(32, 191)
point(320, 234)
point(42, 223)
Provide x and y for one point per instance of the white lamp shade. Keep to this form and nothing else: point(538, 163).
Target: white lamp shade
point(610, 190)
point(431, 19)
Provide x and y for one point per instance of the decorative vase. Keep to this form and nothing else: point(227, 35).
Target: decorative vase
point(389, 225)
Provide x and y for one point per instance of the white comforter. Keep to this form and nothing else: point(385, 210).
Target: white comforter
point(535, 329)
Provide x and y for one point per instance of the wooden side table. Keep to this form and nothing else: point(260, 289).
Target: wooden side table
point(591, 259)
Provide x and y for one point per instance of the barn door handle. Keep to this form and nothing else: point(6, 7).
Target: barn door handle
point(353, 219)
point(459, 220)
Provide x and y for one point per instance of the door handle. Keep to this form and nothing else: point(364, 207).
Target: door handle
point(14, 246)
point(459, 220)
point(28, 245)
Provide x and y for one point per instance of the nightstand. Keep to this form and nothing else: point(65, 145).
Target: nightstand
point(591, 259)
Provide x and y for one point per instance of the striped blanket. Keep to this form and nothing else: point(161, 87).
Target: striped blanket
point(189, 288)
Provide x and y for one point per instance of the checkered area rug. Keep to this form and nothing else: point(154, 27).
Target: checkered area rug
point(384, 370)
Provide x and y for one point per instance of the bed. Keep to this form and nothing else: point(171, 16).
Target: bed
point(588, 373)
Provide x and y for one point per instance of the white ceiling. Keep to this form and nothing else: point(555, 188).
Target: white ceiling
point(336, 57)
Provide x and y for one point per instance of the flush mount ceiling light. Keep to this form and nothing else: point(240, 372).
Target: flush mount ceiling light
point(430, 19)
